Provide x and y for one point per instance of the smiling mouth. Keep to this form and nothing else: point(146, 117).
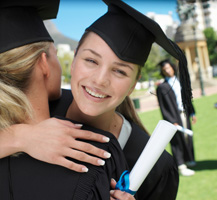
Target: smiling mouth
point(95, 94)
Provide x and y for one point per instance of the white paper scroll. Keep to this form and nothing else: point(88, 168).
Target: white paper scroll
point(158, 141)
point(184, 130)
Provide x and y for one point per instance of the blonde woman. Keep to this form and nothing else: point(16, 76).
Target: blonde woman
point(104, 72)
point(30, 76)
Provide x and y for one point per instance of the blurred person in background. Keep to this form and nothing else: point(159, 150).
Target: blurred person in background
point(170, 102)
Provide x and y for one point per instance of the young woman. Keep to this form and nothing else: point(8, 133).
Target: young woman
point(125, 36)
point(30, 76)
point(104, 72)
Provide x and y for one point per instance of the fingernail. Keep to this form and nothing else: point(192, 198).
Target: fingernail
point(79, 125)
point(107, 155)
point(84, 169)
point(113, 180)
point(112, 191)
point(106, 139)
point(101, 162)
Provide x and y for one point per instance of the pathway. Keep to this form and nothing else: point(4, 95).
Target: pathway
point(149, 101)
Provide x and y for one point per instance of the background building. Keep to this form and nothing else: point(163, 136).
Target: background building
point(203, 12)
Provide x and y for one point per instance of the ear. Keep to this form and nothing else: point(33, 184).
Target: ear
point(140, 76)
point(132, 88)
point(44, 65)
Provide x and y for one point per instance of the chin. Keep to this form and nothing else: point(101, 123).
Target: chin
point(90, 112)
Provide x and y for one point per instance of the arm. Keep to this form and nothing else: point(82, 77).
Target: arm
point(167, 103)
point(52, 141)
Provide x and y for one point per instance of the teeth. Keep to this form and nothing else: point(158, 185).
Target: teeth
point(94, 94)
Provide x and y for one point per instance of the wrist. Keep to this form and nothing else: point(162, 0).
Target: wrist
point(19, 135)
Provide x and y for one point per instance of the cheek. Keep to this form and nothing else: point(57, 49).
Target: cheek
point(122, 89)
point(77, 75)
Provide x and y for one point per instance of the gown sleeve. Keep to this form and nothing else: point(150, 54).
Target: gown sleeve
point(167, 102)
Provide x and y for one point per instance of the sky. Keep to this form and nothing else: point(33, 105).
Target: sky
point(76, 15)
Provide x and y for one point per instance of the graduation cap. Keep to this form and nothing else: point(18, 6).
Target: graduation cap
point(130, 35)
point(21, 22)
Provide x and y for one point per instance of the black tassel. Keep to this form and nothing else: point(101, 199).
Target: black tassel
point(185, 82)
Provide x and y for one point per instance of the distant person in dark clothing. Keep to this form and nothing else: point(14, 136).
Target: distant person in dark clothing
point(170, 102)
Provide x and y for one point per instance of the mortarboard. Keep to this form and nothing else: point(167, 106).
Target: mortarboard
point(21, 22)
point(130, 35)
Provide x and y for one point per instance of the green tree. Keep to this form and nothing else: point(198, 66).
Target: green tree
point(151, 70)
point(65, 63)
point(211, 39)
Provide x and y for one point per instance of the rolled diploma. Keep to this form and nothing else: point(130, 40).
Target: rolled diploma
point(184, 130)
point(158, 141)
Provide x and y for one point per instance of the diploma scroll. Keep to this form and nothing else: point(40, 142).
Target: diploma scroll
point(158, 141)
point(184, 130)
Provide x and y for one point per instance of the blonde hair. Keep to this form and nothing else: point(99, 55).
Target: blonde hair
point(16, 67)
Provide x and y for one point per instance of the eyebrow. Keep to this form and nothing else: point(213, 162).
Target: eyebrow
point(93, 52)
point(124, 65)
point(116, 63)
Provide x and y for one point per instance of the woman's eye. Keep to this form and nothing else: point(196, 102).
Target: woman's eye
point(120, 72)
point(90, 60)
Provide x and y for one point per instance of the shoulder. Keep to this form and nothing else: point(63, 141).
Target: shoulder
point(60, 106)
point(163, 86)
point(116, 164)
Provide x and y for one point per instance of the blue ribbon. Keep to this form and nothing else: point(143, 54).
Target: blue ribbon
point(124, 183)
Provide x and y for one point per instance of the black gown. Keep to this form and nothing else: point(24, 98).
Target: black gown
point(163, 180)
point(25, 178)
point(182, 147)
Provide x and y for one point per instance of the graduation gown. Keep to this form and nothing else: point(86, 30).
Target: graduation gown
point(163, 180)
point(182, 147)
point(25, 178)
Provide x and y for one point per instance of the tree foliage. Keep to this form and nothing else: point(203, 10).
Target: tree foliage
point(65, 62)
point(151, 70)
point(211, 39)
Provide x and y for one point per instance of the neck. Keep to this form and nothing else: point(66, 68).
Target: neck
point(109, 121)
point(40, 106)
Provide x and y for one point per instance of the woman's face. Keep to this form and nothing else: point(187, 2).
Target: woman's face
point(168, 70)
point(100, 80)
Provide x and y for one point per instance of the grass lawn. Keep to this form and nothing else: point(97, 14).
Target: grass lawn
point(203, 185)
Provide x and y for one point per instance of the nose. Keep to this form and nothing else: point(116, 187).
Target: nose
point(102, 77)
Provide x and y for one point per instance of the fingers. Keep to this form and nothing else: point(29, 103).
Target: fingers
point(68, 123)
point(113, 183)
point(81, 156)
point(53, 140)
point(82, 134)
point(118, 194)
point(88, 148)
point(71, 165)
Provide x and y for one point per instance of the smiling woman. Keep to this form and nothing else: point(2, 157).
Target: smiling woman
point(96, 72)
point(104, 72)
